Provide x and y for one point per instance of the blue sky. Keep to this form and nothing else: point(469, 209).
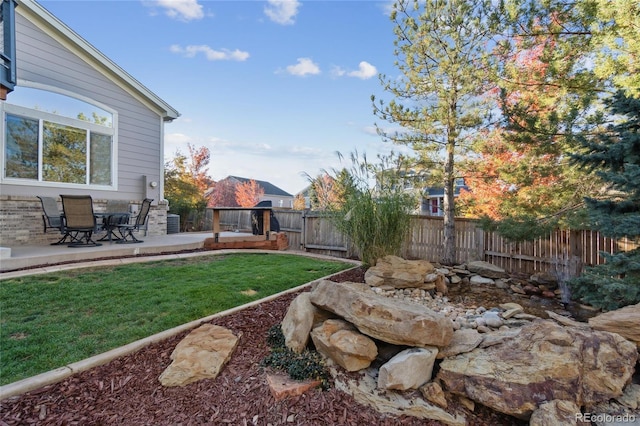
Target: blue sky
point(272, 88)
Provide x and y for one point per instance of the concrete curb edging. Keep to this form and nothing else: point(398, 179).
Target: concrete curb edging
point(53, 376)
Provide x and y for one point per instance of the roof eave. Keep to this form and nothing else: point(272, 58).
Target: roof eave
point(97, 59)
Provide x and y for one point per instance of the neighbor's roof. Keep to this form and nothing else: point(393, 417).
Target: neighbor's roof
point(269, 188)
point(46, 21)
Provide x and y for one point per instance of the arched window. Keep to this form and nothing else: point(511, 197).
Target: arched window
point(50, 137)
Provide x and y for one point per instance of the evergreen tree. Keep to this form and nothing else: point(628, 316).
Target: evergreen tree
point(614, 155)
point(438, 99)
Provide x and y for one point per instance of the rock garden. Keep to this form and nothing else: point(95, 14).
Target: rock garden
point(401, 332)
point(408, 342)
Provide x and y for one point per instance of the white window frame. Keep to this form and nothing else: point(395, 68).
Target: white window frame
point(31, 113)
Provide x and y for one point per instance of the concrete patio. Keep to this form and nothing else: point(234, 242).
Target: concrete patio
point(44, 255)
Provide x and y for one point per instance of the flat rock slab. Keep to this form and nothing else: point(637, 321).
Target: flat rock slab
point(200, 355)
point(382, 318)
point(282, 386)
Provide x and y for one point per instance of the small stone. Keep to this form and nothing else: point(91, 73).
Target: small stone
point(282, 386)
point(492, 319)
point(480, 280)
point(502, 284)
point(432, 392)
point(548, 294)
point(524, 316)
point(467, 403)
point(517, 289)
point(511, 313)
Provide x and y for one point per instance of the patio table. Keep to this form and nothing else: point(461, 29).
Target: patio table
point(110, 222)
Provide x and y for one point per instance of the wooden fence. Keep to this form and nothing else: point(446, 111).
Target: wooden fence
point(562, 252)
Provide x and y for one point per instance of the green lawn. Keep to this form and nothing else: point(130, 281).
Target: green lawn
point(51, 320)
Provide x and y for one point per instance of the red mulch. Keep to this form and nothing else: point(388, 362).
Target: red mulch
point(126, 391)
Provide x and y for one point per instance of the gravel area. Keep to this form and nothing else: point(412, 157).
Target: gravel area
point(126, 391)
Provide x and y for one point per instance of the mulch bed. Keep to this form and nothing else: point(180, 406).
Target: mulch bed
point(126, 391)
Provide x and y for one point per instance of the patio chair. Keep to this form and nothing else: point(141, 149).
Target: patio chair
point(126, 230)
point(79, 219)
point(52, 218)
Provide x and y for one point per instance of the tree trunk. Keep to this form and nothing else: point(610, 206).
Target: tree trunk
point(449, 257)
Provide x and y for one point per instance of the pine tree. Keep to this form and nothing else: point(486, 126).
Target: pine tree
point(614, 156)
point(438, 99)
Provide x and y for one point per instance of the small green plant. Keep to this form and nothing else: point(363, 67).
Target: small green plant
point(275, 338)
point(300, 366)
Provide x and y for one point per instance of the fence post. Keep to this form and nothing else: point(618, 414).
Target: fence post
point(479, 242)
point(575, 254)
point(303, 232)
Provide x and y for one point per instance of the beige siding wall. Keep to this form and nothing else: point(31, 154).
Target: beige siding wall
point(44, 61)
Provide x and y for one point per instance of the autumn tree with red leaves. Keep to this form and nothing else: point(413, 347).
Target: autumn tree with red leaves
point(521, 176)
point(223, 194)
point(248, 193)
point(186, 181)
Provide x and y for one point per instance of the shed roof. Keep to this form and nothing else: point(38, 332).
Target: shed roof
point(46, 21)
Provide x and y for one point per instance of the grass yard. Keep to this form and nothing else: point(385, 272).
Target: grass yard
point(48, 321)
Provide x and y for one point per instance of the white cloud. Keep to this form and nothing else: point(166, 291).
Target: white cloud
point(185, 10)
point(337, 71)
point(282, 11)
point(365, 71)
point(211, 54)
point(303, 67)
point(176, 138)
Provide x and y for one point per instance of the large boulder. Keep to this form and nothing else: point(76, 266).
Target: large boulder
point(410, 369)
point(624, 321)
point(396, 272)
point(200, 355)
point(544, 362)
point(300, 318)
point(486, 269)
point(382, 318)
point(340, 341)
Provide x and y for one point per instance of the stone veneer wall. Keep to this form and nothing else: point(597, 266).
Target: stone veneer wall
point(21, 221)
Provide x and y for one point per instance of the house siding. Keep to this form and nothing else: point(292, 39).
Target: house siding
point(43, 60)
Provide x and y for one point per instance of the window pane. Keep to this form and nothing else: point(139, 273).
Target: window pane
point(100, 159)
point(64, 154)
point(58, 104)
point(21, 149)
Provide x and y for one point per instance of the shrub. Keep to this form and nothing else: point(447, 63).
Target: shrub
point(611, 285)
point(300, 366)
point(376, 219)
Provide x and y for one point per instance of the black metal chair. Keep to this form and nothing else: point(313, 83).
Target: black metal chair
point(79, 220)
point(126, 230)
point(52, 219)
